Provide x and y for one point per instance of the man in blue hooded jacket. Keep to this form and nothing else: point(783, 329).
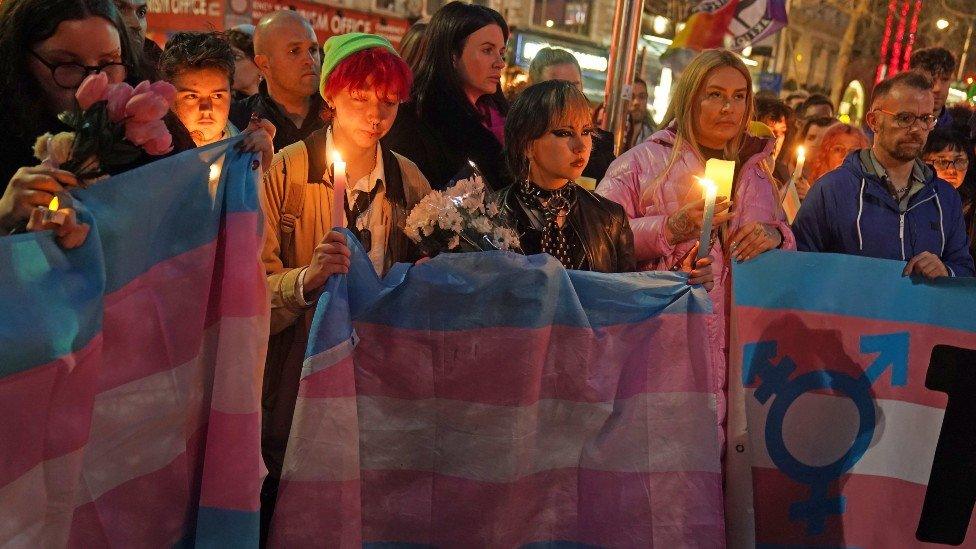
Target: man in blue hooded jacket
point(884, 202)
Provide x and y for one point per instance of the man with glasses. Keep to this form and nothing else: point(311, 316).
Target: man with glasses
point(884, 202)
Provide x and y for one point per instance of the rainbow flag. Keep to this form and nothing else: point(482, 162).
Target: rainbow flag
point(498, 400)
point(732, 24)
point(852, 404)
point(130, 368)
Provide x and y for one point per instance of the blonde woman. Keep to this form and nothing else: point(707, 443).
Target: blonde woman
point(655, 183)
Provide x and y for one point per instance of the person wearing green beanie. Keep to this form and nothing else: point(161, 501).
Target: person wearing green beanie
point(363, 83)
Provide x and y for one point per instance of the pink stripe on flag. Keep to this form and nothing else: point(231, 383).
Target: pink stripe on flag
point(156, 321)
point(46, 410)
point(232, 474)
point(557, 362)
point(238, 268)
point(154, 510)
point(881, 512)
point(318, 514)
point(594, 507)
point(329, 380)
point(832, 342)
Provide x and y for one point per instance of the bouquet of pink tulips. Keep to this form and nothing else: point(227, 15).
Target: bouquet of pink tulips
point(113, 125)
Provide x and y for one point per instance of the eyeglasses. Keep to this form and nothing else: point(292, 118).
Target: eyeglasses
point(907, 119)
point(70, 75)
point(943, 164)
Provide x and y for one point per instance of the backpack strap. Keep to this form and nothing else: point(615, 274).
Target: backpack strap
point(295, 170)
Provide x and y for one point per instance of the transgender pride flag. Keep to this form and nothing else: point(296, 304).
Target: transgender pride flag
point(842, 369)
point(130, 368)
point(497, 400)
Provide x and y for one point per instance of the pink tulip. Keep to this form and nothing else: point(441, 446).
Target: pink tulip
point(146, 107)
point(165, 90)
point(92, 90)
point(141, 87)
point(159, 145)
point(118, 97)
point(140, 133)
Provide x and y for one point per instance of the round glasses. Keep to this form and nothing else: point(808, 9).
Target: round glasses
point(70, 75)
point(908, 119)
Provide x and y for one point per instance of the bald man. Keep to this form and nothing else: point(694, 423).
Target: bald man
point(289, 57)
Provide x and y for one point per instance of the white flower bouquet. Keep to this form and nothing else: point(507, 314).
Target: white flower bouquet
point(460, 219)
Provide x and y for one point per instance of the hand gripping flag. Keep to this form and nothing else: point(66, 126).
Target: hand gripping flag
point(497, 400)
point(130, 368)
point(855, 389)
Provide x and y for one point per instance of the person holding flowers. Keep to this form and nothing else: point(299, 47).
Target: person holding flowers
point(363, 82)
point(47, 48)
point(656, 184)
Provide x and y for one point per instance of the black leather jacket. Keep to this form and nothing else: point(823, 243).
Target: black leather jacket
point(600, 224)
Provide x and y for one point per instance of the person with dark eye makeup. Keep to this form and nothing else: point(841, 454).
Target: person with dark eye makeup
point(549, 134)
point(287, 53)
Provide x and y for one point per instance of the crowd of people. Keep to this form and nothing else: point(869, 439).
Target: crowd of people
point(409, 121)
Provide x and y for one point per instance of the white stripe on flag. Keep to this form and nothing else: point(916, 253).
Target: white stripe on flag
point(659, 432)
point(904, 440)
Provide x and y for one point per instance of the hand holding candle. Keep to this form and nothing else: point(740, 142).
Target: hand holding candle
point(53, 214)
point(338, 191)
point(709, 189)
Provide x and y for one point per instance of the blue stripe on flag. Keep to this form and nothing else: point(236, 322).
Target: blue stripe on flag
point(425, 296)
point(163, 209)
point(226, 528)
point(50, 299)
point(853, 286)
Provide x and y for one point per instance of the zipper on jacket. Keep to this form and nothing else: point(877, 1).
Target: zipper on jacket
point(901, 232)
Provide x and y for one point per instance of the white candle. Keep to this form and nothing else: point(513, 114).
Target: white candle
point(338, 191)
point(704, 243)
point(801, 156)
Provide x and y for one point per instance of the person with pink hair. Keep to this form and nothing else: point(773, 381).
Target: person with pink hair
point(837, 141)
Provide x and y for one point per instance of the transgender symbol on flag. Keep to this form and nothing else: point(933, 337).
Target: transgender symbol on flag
point(775, 383)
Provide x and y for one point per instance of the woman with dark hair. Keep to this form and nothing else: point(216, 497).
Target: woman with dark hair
point(47, 47)
point(549, 137)
point(950, 154)
point(456, 111)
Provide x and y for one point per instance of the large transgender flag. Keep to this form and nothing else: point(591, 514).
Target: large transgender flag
point(130, 368)
point(497, 400)
point(856, 393)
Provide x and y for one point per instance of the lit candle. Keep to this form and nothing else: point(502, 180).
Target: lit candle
point(721, 172)
point(53, 213)
point(704, 243)
point(801, 155)
point(338, 191)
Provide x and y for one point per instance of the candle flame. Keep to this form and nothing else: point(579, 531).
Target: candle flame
point(801, 153)
point(54, 205)
point(336, 157)
point(707, 183)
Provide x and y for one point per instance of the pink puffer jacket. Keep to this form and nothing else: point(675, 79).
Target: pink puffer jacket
point(755, 199)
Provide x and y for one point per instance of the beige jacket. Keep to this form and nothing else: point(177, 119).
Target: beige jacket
point(291, 235)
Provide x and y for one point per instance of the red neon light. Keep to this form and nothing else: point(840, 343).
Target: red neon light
point(912, 31)
point(885, 42)
point(895, 65)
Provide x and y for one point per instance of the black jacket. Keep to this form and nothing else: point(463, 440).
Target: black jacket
point(600, 224)
point(442, 142)
point(601, 156)
point(265, 107)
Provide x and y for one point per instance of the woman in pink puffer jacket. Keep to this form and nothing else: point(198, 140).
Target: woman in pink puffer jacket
point(655, 183)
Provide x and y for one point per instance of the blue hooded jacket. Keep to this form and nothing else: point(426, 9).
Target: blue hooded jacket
point(850, 211)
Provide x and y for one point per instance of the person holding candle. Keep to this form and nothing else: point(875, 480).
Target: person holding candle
point(656, 183)
point(884, 202)
point(456, 111)
point(363, 82)
point(47, 48)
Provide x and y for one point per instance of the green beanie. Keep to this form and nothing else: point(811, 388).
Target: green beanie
point(342, 46)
